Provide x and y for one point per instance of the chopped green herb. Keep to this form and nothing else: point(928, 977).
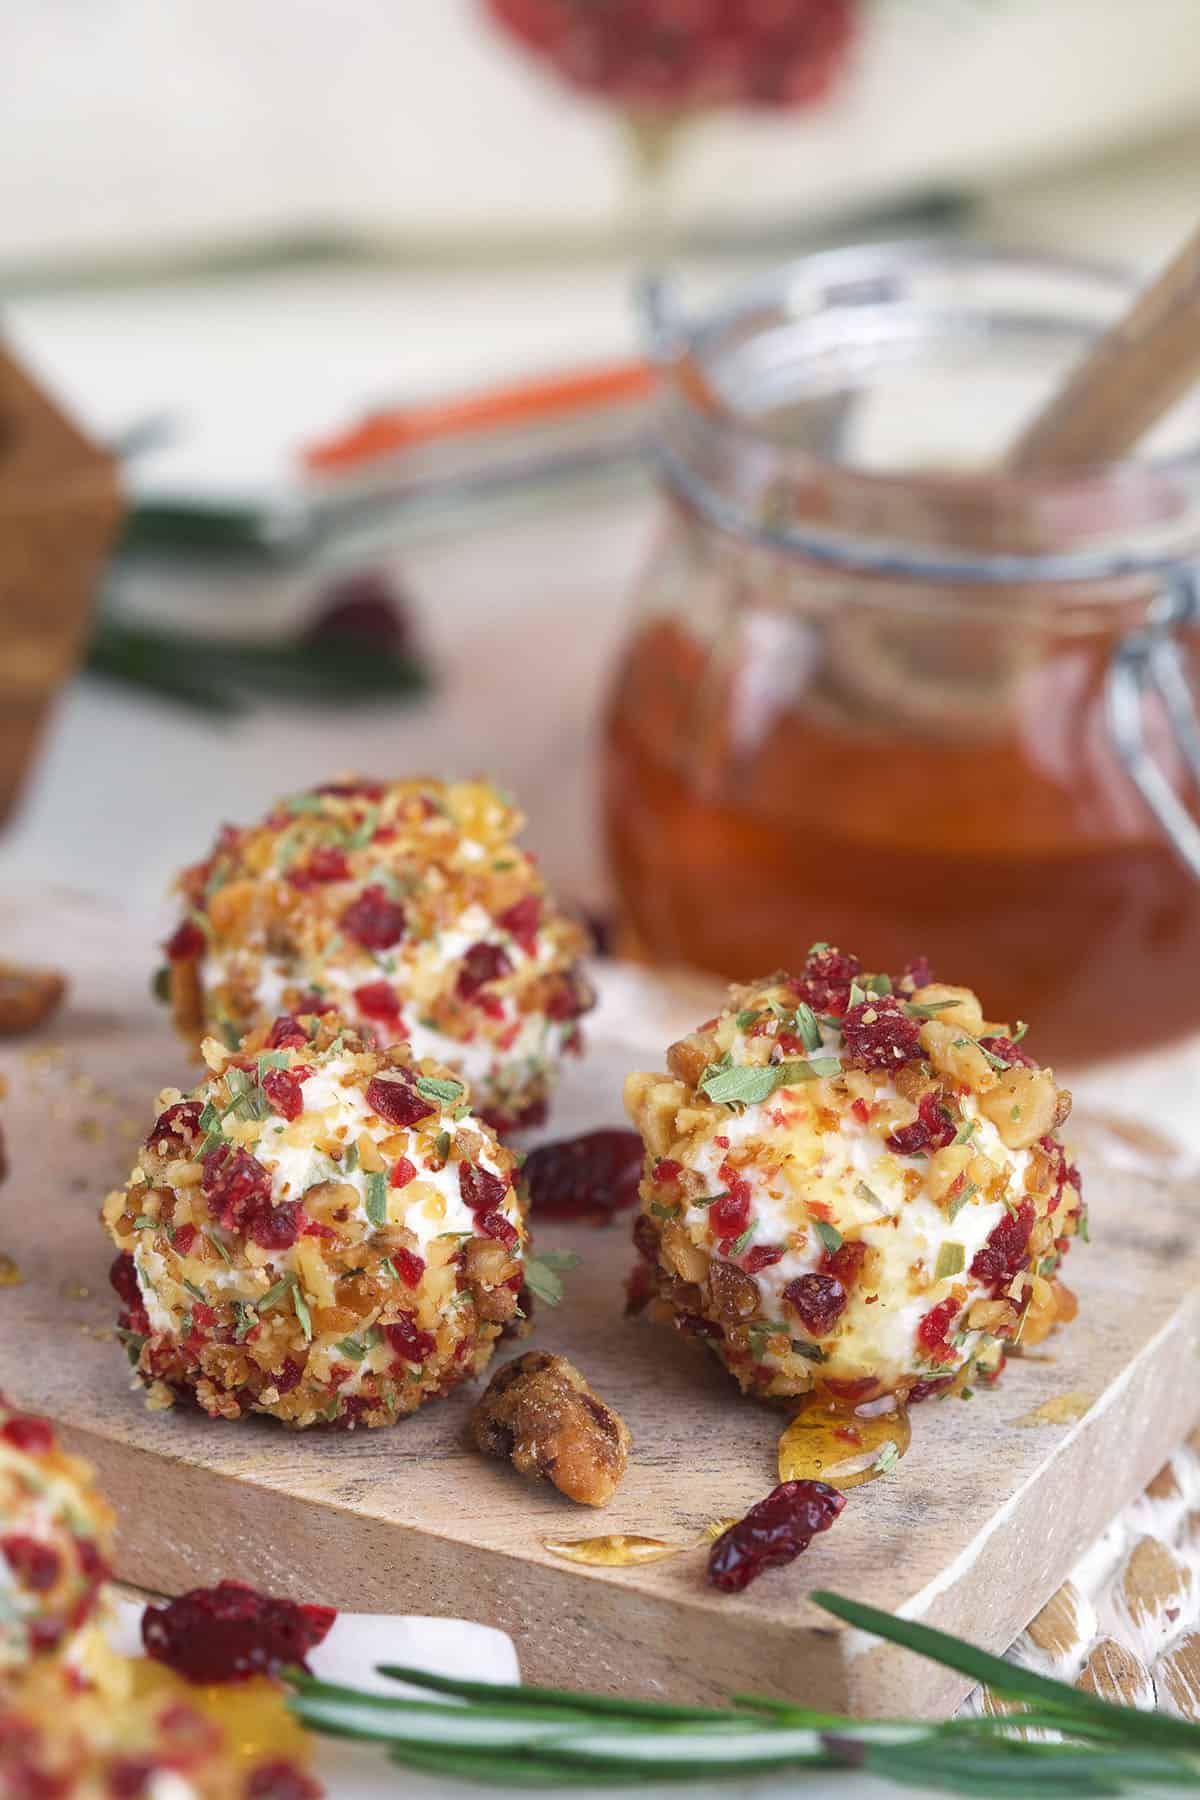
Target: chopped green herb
point(966, 1192)
point(966, 1131)
point(365, 830)
point(870, 1196)
point(144, 1222)
point(275, 1294)
point(951, 1260)
point(745, 1019)
point(377, 1205)
point(922, 1009)
point(300, 1305)
point(1082, 1227)
point(133, 1344)
point(745, 1086)
point(887, 1459)
point(817, 948)
point(739, 1243)
point(1019, 1033)
point(542, 1274)
point(435, 1087)
point(160, 983)
point(880, 984)
point(187, 1324)
point(663, 1212)
point(829, 1234)
point(217, 1245)
point(441, 1147)
point(271, 1059)
point(389, 1268)
point(202, 921)
point(306, 803)
point(170, 1231)
point(709, 1199)
point(857, 994)
point(806, 1025)
point(810, 1352)
point(352, 1348)
point(197, 1293)
point(246, 1318)
point(350, 1158)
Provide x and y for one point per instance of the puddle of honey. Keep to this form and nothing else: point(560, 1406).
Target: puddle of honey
point(616, 1551)
point(829, 1441)
point(1064, 1409)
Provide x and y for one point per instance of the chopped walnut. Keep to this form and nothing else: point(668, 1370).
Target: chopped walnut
point(27, 997)
point(540, 1412)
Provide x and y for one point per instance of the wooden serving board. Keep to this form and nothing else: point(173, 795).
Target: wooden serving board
point(972, 1531)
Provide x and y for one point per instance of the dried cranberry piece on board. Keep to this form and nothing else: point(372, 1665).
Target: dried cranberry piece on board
point(230, 1633)
point(773, 1532)
point(589, 1177)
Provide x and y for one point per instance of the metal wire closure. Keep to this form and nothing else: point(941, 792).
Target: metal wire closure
point(1151, 660)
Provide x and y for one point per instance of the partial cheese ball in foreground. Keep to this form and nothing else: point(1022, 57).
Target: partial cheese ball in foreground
point(147, 1735)
point(854, 1184)
point(322, 1231)
point(407, 907)
point(55, 1544)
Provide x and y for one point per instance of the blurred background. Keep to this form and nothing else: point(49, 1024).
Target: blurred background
point(340, 300)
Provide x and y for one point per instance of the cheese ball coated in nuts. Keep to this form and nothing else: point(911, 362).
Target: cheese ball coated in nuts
point(855, 1184)
point(55, 1544)
point(406, 906)
point(322, 1231)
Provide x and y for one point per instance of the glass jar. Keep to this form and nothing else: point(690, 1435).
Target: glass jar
point(880, 693)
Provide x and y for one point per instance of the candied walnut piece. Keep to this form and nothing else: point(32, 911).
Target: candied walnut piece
point(28, 997)
point(540, 1412)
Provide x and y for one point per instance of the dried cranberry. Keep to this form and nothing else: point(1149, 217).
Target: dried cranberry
point(524, 1119)
point(695, 1325)
point(667, 1169)
point(373, 920)
point(825, 982)
point(845, 1262)
point(378, 1000)
point(276, 1227)
point(878, 1034)
point(37, 1566)
point(725, 52)
point(772, 1533)
point(185, 1237)
point(931, 1332)
point(495, 1225)
point(282, 1089)
point(230, 1632)
point(281, 1781)
point(1007, 1051)
point(286, 1033)
point(818, 1300)
point(408, 1341)
point(481, 1190)
point(129, 1777)
point(175, 1127)
point(288, 1377)
point(185, 943)
point(730, 1215)
point(235, 1184)
point(1065, 1173)
point(409, 1266)
point(1006, 1251)
point(402, 1172)
point(395, 1098)
point(568, 998)
point(762, 1256)
point(361, 789)
point(588, 1177)
point(932, 1129)
point(645, 1238)
point(924, 1390)
point(325, 863)
point(122, 1276)
point(521, 921)
point(918, 972)
point(481, 964)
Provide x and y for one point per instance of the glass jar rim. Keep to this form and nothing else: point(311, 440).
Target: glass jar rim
point(681, 346)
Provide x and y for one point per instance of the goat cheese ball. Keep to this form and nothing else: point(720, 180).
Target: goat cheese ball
point(854, 1183)
point(322, 1230)
point(406, 906)
point(55, 1544)
point(149, 1736)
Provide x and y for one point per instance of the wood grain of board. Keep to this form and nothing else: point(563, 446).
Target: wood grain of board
point(973, 1530)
